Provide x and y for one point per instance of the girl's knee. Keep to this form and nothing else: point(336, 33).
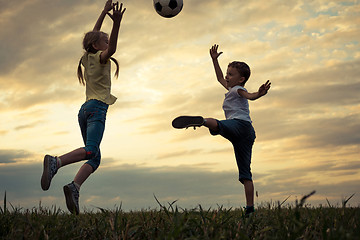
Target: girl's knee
point(91, 151)
point(94, 163)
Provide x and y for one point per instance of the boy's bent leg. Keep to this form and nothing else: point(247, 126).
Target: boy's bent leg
point(212, 124)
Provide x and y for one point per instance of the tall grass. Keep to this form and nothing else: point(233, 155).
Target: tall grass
point(270, 221)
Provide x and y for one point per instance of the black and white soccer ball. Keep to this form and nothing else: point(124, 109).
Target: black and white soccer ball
point(168, 8)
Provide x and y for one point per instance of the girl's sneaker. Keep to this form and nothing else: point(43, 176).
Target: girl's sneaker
point(72, 198)
point(249, 211)
point(49, 170)
point(188, 121)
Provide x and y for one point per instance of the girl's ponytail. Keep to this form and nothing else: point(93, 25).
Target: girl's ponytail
point(117, 66)
point(80, 74)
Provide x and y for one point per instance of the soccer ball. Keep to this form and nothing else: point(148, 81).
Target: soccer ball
point(168, 8)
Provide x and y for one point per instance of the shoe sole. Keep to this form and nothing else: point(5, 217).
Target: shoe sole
point(45, 183)
point(188, 121)
point(69, 200)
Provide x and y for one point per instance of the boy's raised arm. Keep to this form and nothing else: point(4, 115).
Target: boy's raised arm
point(263, 89)
point(214, 56)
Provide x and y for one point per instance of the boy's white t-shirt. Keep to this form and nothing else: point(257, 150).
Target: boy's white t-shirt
point(236, 106)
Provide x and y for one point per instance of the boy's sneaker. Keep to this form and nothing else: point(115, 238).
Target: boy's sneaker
point(188, 121)
point(249, 211)
point(49, 170)
point(72, 197)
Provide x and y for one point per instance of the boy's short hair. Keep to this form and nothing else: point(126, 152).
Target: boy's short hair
point(242, 68)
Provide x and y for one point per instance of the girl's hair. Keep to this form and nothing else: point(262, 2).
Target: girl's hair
point(90, 39)
point(242, 68)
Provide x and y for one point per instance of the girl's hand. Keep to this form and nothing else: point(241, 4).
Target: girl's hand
point(117, 13)
point(264, 88)
point(214, 53)
point(108, 6)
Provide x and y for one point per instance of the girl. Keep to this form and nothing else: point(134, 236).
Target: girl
point(99, 49)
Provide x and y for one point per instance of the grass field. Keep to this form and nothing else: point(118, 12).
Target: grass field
point(270, 221)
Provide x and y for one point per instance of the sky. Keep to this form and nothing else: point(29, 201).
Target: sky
point(307, 126)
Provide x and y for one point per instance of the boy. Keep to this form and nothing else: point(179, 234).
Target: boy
point(237, 127)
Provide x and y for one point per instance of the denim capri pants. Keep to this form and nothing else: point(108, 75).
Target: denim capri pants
point(242, 136)
point(92, 116)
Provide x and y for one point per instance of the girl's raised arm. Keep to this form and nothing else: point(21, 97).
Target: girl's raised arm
point(116, 17)
point(107, 8)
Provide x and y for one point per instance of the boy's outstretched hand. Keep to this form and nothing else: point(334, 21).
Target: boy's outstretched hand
point(214, 51)
point(264, 88)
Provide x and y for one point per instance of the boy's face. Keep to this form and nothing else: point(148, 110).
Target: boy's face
point(233, 77)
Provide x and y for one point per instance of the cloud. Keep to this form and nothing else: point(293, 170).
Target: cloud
point(62, 38)
point(317, 130)
point(3, 132)
point(41, 96)
point(295, 109)
point(309, 50)
point(313, 175)
point(179, 153)
point(134, 186)
point(50, 21)
point(323, 114)
point(30, 125)
point(8, 156)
